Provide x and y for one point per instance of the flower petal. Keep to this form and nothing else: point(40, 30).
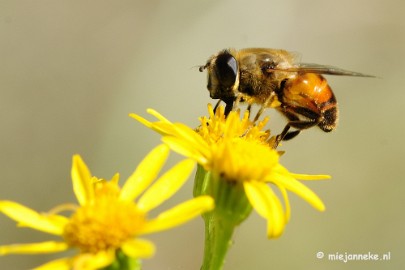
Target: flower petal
point(138, 248)
point(157, 115)
point(184, 134)
point(162, 128)
point(34, 248)
point(115, 179)
point(287, 203)
point(310, 176)
point(27, 217)
point(187, 134)
point(184, 148)
point(141, 119)
point(145, 173)
point(87, 261)
point(81, 179)
point(59, 264)
point(165, 129)
point(166, 185)
point(266, 203)
point(290, 183)
point(282, 170)
point(179, 214)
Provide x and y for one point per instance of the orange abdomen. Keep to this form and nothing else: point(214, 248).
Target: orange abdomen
point(309, 94)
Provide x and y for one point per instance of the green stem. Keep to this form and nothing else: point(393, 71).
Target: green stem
point(218, 235)
point(231, 208)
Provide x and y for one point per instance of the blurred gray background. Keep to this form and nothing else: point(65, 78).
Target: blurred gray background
point(71, 71)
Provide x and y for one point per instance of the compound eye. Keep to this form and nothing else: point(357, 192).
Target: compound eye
point(226, 69)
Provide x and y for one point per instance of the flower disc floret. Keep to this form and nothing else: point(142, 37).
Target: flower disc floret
point(105, 224)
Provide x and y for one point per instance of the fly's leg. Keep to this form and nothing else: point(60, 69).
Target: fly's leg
point(313, 119)
point(216, 105)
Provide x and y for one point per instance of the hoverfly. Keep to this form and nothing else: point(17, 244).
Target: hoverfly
point(272, 78)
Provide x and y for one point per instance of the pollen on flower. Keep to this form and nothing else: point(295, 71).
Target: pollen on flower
point(243, 160)
point(215, 128)
point(105, 222)
point(240, 149)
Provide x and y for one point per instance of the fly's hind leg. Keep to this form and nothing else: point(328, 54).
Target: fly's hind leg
point(286, 134)
point(295, 122)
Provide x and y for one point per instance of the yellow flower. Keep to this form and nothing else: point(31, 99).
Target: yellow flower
point(239, 151)
point(107, 219)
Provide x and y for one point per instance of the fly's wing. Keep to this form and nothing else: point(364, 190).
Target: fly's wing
point(322, 69)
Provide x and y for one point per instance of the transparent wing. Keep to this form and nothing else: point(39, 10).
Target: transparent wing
point(322, 69)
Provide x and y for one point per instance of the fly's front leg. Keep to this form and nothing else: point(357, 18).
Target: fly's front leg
point(229, 104)
point(266, 104)
point(216, 105)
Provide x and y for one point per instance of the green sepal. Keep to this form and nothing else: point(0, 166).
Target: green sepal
point(123, 262)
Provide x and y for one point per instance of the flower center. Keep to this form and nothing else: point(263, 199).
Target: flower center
point(239, 148)
point(216, 127)
point(103, 223)
point(243, 160)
